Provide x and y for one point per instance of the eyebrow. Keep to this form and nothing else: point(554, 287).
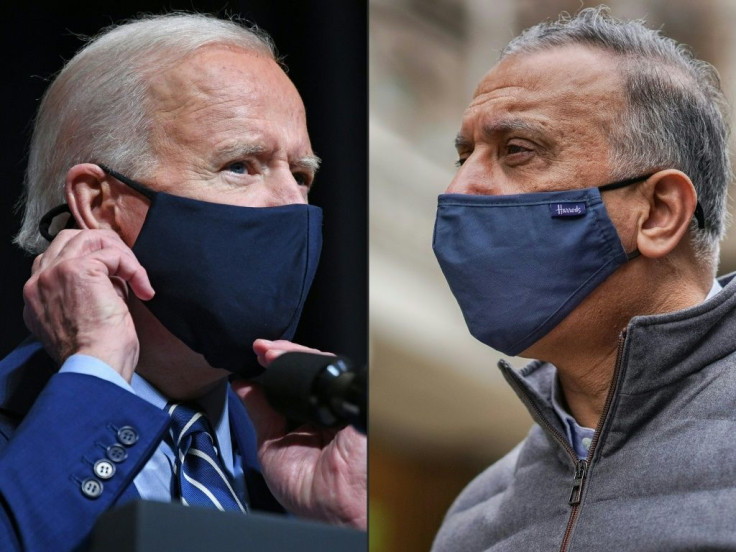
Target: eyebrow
point(502, 126)
point(242, 150)
point(307, 162)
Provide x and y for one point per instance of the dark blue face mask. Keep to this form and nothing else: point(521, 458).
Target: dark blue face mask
point(225, 275)
point(519, 264)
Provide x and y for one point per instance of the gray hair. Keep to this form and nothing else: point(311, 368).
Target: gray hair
point(676, 113)
point(97, 109)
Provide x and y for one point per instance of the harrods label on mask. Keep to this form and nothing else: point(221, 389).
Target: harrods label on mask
point(515, 268)
point(567, 209)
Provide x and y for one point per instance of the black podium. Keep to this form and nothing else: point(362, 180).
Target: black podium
point(161, 527)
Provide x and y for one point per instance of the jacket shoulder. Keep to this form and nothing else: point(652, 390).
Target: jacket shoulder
point(490, 483)
point(481, 499)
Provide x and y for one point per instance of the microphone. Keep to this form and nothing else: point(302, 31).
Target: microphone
point(319, 389)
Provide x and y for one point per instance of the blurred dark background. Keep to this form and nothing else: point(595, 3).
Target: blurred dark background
point(324, 44)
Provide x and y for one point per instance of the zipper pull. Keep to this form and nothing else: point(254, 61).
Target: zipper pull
point(581, 470)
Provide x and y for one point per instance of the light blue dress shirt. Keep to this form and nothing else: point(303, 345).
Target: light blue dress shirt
point(155, 481)
point(578, 436)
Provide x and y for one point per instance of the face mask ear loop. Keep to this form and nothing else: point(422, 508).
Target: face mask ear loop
point(45, 223)
point(701, 224)
point(699, 214)
point(624, 183)
point(137, 186)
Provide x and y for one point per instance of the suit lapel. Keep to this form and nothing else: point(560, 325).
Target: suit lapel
point(244, 438)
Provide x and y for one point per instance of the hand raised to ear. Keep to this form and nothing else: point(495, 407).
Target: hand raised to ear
point(75, 299)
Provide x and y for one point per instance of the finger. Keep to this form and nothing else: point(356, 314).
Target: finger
point(29, 319)
point(55, 247)
point(70, 244)
point(78, 243)
point(275, 352)
point(267, 351)
point(113, 264)
point(123, 265)
point(37, 263)
point(120, 288)
point(128, 269)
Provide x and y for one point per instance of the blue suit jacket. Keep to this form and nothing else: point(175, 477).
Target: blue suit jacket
point(54, 427)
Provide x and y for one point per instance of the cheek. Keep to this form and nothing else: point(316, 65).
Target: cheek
point(624, 218)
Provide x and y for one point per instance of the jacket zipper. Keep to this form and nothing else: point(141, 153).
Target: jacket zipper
point(581, 470)
point(582, 466)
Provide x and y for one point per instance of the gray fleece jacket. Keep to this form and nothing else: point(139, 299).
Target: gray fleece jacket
point(661, 473)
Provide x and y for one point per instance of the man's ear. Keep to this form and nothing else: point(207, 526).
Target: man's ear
point(672, 200)
point(90, 198)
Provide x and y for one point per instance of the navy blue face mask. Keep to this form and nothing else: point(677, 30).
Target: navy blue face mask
point(225, 275)
point(519, 264)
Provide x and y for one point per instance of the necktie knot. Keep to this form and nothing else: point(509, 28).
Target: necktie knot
point(200, 474)
point(186, 422)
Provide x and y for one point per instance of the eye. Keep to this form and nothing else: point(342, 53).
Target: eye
point(303, 179)
point(511, 149)
point(462, 156)
point(518, 152)
point(238, 167)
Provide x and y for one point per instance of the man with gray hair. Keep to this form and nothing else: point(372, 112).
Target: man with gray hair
point(166, 200)
point(582, 228)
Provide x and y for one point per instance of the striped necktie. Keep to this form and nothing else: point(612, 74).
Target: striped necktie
point(200, 476)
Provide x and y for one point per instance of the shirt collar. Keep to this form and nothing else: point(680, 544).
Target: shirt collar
point(715, 288)
point(575, 433)
point(214, 403)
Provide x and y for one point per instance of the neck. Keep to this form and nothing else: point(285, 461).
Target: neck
point(585, 386)
point(165, 362)
point(585, 346)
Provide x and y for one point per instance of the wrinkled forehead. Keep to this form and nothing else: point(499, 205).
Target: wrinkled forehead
point(222, 100)
point(568, 84)
point(224, 76)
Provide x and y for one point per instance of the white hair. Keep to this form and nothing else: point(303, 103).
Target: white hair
point(97, 109)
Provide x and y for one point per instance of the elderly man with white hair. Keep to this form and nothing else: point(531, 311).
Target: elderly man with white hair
point(169, 170)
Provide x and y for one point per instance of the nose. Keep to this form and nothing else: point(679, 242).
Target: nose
point(474, 179)
point(458, 185)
